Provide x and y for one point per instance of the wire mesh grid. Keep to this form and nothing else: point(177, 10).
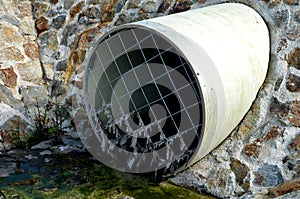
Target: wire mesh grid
point(137, 59)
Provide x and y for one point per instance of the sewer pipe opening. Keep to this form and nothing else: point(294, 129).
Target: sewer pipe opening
point(162, 93)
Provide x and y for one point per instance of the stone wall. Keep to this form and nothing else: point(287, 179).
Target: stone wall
point(44, 43)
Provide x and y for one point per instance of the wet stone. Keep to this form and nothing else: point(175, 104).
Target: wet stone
point(59, 22)
point(268, 175)
point(293, 83)
point(43, 145)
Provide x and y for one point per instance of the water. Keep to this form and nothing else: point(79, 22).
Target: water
point(77, 175)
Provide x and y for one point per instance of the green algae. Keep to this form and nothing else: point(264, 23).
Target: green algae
point(79, 176)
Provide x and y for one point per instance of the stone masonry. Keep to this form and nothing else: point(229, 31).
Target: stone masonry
point(44, 43)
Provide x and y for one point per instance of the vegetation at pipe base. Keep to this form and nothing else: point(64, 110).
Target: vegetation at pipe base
point(48, 124)
point(77, 176)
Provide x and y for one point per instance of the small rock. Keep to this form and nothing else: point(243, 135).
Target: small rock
point(30, 157)
point(180, 6)
point(59, 22)
point(68, 4)
point(57, 88)
point(47, 152)
point(42, 24)
point(62, 65)
point(40, 8)
point(43, 145)
point(293, 33)
point(281, 17)
point(47, 160)
point(293, 83)
point(7, 168)
point(164, 6)
point(252, 150)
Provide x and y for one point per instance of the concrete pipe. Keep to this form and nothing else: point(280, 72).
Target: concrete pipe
point(162, 93)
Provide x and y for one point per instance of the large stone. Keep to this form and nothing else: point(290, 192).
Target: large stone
point(27, 26)
point(11, 53)
point(294, 116)
point(9, 76)
point(10, 19)
point(285, 188)
point(293, 58)
point(7, 97)
point(31, 72)
point(293, 83)
point(292, 2)
point(32, 50)
point(76, 9)
point(40, 8)
point(25, 8)
point(11, 35)
point(241, 171)
point(268, 175)
point(296, 143)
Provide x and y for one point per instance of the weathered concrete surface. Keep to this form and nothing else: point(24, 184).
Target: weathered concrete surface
point(44, 43)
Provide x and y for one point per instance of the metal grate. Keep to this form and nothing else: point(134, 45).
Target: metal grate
point(145, 95)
